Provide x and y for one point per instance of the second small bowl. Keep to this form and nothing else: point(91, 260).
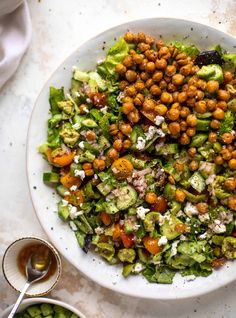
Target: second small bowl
point(16, 279)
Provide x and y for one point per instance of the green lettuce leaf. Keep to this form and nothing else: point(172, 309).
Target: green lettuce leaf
point(190, 50)
point(56, 95)
point(227, 123)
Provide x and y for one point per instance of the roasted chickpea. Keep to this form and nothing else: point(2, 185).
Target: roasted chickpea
point(219, 114)
point(130, 90)
point(193, 165)
point(150, 67)
point(230, 183)
point(191, 120)
point(180, 195)
point(186, 69)
point(191, 131)
point(131, 76)
point(202, 207)
point(212, 86)
point(192, 151)
point(227, 138)
point(182, 97)
point(234, 154)
point(127, 61)
point(173, 114)
point(200, 107)
point(90, 135)
point(170, 70)
point(159, 44)
point(126, 144)
point(161, 109)
point(139, 99)
point(126, 129)
point(120, 68)
point(228, 76)
point(171, 88)
point(191, 102)
point(191, 92)
point(149, 83)
point(178, 79)
point(89, 172)
point(183, 125)
point(127, 99)
point(226, 154)
point(215, 124)
point(138, 58)
point(212, 137)
point(117, 144)
point(155, 90)
point(157, 76)
point(222, 105)
point(122, 85)
point(171, 180)
point(161, 64)
point(181, 228)
point(120, 136)
point(184, 139)
point(141, 37)
point(151, 198)
point(176, 105)
point(134, 116)
point(113, 154)
point(232, 203)
point(174, 128)
point(113, 129)
point(99, 164)
point(149, 104)
point(143, 47)
point(232, 164)
point(87, 166)
point(127, 108)
point(201, 84)
point(184, 112)
point(166, 98)
point(219, 160)
point(199, 95)
point(163, 84)
point(223, 95)
point(129, 37)
point(139, 86)
point(211, 104)
point(164, 52)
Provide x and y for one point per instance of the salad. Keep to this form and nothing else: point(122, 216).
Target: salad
point(143, 154)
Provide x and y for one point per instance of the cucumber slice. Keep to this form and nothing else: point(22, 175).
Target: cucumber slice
point(127, 197)
point(168, 228)
point(51, 177)
point(63, 211)
point(90, 123)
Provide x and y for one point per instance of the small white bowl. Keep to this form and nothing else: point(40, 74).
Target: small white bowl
point(16, 279)
point(33, 301)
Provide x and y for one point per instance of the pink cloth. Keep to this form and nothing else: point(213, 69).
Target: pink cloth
point(15, 35)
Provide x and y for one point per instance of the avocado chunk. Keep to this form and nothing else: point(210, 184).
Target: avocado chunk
point(69, 136)
point(211, 72)
point(66, 106)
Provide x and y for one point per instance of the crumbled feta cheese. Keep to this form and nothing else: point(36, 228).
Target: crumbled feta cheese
point(76, 159)
point(183, 237)
point(141, 211)
point(95, 176)
point(162, 241)
point(79, 173)
point(190, 209)
point(120, 97)
point(73, 188)
point(68, 96)
point(99, 230)
point(75, 126)
point(81, 144)
point(180, 213)
point(190, 278)
point(226, 217)
point(136, 227)
point(158, 120)
point(202, 236)
point(204, 217)
point(104, 109)
point(151, 132)
point(66, 193)
point(64, 202)
point(77, 94)
point(122, 222)
point(210, 179)
point(88, 100)
point(217, 227)
point(73, 226)
point(137, 268)
point(73, 211)
point(160, 132)
point(141, 143)
point(173, 251)
point(159, 145)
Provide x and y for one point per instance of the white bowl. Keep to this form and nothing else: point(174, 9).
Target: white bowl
point(16, 279)
point(33, 301)
point(45, 199)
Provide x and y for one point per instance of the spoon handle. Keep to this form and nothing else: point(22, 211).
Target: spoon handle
point(21, 296)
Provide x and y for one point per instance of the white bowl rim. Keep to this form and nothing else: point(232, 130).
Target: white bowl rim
point(197, 292)
point(55, 253)
point(37, 300)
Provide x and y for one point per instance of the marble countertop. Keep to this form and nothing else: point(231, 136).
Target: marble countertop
point(58, 28)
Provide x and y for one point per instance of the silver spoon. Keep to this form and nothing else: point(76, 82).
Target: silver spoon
point(36, 268)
